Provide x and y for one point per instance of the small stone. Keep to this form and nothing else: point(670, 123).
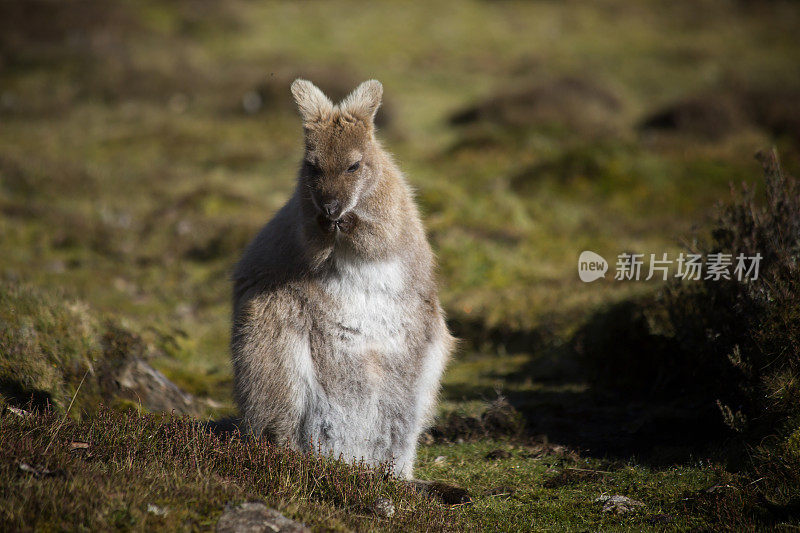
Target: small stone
point(440, 460)
point(183, 227)
point(22, 413)
point(717, 488)
point(618, 504)
point(156, 510)
point(25, 467)
point(38, 471)
point(383, 507)
point(184, 310)
point(78, 445)
point(255, 517)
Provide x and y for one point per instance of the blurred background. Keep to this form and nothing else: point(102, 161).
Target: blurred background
point(143, 143)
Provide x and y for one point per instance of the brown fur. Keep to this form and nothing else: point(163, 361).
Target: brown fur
point(338, 337)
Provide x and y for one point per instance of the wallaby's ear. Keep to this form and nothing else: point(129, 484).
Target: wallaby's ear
point(311, 102)
point(364, 102)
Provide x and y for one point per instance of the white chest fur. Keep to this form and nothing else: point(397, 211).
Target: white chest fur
point(370, 308)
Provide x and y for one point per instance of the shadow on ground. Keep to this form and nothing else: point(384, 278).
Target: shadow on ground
point(557, 404)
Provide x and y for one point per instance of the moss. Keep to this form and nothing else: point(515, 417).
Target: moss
point(60, 354)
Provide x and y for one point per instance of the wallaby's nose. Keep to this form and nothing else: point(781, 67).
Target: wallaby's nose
point(332, 209)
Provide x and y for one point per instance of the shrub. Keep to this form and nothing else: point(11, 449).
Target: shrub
point(748, 333)
point(728, 345)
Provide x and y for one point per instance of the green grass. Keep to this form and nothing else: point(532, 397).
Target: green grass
point(106, 472)
point(131, 179)
point(541, 488)
point(131, 461)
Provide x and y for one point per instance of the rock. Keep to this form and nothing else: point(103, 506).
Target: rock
point(718, 488)
point(440, 460)
point(125, 373)
point(618, 504)
point(252, 102)
point(22, 413)
point(256, 517)
point(383, 507)
point(156, 510)
point(39, 471)
point(140, 382)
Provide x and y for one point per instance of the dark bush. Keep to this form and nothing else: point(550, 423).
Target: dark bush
point(730, 344)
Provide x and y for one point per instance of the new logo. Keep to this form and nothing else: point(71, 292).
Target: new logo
point(591, 266)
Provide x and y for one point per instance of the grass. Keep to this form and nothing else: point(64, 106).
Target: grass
point(109, 471)
point(50, 347)
point(129, 462)
point(131, 177)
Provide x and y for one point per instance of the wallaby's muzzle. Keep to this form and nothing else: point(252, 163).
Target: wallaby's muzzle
point(331, 209)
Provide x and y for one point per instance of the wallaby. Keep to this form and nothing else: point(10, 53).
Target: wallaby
point(338, 340)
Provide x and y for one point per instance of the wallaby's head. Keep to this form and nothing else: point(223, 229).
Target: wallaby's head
point(341, 162)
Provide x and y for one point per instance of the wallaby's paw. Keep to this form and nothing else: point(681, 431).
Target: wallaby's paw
point(347, 223)
point(327, 225)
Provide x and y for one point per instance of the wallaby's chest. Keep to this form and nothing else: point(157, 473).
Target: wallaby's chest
point(367, 307)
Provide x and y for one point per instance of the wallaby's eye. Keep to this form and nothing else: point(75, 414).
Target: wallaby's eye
point(354, 166)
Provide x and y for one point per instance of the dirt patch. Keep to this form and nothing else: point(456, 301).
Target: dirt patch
point(705, 116)
point(572, 103)
point(716, 114)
